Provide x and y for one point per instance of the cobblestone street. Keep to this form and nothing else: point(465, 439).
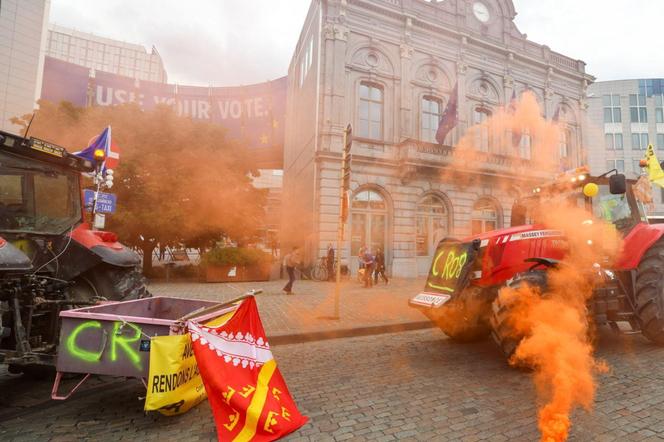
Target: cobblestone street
point(406, 386)
point(313, 303)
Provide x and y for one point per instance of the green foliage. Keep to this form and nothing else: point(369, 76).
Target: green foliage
point(236, 256)
point(179, 181)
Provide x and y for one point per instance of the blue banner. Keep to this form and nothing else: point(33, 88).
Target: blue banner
point(253, 115)
point(106, 202)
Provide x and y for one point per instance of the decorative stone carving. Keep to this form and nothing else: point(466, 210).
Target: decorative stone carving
point(328, 31)
point(406, 50)
point(373, 59)
point(341, 32)
point(548, 93)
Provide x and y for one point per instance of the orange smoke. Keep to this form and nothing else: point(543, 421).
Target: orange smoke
point(556, 324)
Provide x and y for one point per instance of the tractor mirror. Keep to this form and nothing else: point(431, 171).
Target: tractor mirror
point(617, 184)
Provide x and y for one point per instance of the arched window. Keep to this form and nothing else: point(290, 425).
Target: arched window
point(484, 217)
point(368, 221)
point(432, 109)
point(371, 111)
point(482, 136)
point(432, 224)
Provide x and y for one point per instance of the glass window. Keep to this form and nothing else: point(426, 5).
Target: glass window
point(526, 144)
point(660, 141)
point(616, 164)
point(565, 143)
point(612, 109)
point(368, 221)
point(431, 114)
point(431, 225)
point(484, 217)
point(659, 108)
point(608, 141)
point(482, 141)
point(613, 141)
point(371, 111)
point(637, 110)
point(640, 141)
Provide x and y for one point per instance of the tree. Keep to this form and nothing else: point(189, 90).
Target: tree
point(178, 181)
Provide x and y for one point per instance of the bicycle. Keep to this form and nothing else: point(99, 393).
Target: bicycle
point(319, 270)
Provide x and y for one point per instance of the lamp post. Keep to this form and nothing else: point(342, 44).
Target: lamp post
point(343, 210)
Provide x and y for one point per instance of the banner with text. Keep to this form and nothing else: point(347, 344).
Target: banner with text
point(253, 115)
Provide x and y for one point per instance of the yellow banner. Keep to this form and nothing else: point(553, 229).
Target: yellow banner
point(174, 384)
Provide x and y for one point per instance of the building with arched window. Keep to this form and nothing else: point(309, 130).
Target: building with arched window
point(388, 68)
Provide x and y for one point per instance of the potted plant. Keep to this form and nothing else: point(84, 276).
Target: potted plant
point(226, 264)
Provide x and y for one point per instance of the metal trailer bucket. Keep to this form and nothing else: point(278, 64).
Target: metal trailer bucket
point(114, 338)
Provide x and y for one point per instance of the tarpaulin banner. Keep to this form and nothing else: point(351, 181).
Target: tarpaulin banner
point(249, 397)
point(174, 384)
point(64, 81)
point(253, 114)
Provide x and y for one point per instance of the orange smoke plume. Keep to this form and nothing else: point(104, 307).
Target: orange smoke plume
point(556, 324)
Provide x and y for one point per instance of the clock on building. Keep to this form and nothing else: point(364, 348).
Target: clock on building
point(481, 12)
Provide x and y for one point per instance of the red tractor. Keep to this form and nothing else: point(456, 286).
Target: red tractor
point(460, 294)
point(50, 258)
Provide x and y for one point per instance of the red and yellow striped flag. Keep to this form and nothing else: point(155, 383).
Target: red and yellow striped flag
point(249, 397)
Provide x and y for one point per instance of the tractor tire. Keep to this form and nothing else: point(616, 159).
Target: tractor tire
point(503, 331)
point(110, 283)
point(465, 319)
point(650, 293)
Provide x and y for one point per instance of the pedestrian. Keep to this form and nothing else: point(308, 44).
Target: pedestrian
point(291, 261)
point(360, 257)
point(380, 266)
point(368, 262)
point(330, 263)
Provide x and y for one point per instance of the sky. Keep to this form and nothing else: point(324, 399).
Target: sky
point(236, 42)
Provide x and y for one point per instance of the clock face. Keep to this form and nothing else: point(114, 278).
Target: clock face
point(481, 12)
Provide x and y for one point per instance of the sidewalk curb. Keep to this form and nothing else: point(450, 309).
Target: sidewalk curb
point(300, 338)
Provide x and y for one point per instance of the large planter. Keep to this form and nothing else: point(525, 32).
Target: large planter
point(235, 273)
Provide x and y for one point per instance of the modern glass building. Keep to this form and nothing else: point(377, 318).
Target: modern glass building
point(22, 34)
point(625, 116)
point(105, 54)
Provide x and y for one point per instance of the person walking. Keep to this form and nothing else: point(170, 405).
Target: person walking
point(368, 262)
point(380, 266)
point(331, 276)
point(292, 260)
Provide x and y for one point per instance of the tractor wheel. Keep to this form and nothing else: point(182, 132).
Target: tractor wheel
point(466, 318)
point(650, 293)
point(119, 283)
point(111, 283)
point(503, 330)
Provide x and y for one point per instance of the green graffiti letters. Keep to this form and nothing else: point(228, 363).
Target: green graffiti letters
point(117, 338)
point(75, 350)
point(452, 266)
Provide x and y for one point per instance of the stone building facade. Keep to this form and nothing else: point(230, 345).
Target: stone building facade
point(388, 67)
point(625, 116)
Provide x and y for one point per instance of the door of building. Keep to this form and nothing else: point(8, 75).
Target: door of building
point(368, 226)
